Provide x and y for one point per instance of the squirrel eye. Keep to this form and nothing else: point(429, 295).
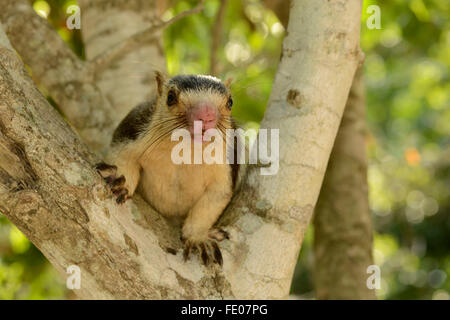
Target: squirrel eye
point(171, 98)
point(230, 103)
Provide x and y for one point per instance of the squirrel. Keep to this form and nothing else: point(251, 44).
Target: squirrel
point(139, 159)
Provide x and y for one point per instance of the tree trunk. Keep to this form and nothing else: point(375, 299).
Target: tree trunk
point(49, 189)
point(342, 220)
point(343, 205)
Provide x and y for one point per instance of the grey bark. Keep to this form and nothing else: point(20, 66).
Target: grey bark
point(342, 221)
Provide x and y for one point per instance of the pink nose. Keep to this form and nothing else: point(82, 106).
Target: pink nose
point(207, 114)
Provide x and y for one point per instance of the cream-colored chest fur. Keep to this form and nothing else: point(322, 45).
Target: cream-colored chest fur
point(174, 189)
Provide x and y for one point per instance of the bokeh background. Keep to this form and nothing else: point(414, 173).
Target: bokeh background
point(408, 112)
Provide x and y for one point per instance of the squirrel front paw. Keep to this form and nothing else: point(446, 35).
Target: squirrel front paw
point(117, 184)
point(207, 248)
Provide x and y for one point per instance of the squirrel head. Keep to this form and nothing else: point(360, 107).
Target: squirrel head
point(196, 98)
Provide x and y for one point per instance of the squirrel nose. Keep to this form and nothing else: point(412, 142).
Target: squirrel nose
point(206, 114)
point(207, 117)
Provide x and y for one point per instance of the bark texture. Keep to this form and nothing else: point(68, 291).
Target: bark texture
point(50, 191)
point(129, 80)
point(342, 219)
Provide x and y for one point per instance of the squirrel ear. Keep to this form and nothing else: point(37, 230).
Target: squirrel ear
point(227, 83)
point(160, 79)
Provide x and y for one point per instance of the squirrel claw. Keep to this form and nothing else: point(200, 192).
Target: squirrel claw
point(208, 250)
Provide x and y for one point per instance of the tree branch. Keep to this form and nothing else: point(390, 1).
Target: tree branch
point(306, 104)
point(102, 61)
point(342, 221)
point(59, 71)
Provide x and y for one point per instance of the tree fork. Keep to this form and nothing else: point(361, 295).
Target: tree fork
point(129, 251)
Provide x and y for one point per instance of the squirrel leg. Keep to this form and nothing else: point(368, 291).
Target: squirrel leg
point(198, 232)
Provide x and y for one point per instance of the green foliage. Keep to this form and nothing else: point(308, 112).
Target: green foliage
point(24, 271)
point(407, 78)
